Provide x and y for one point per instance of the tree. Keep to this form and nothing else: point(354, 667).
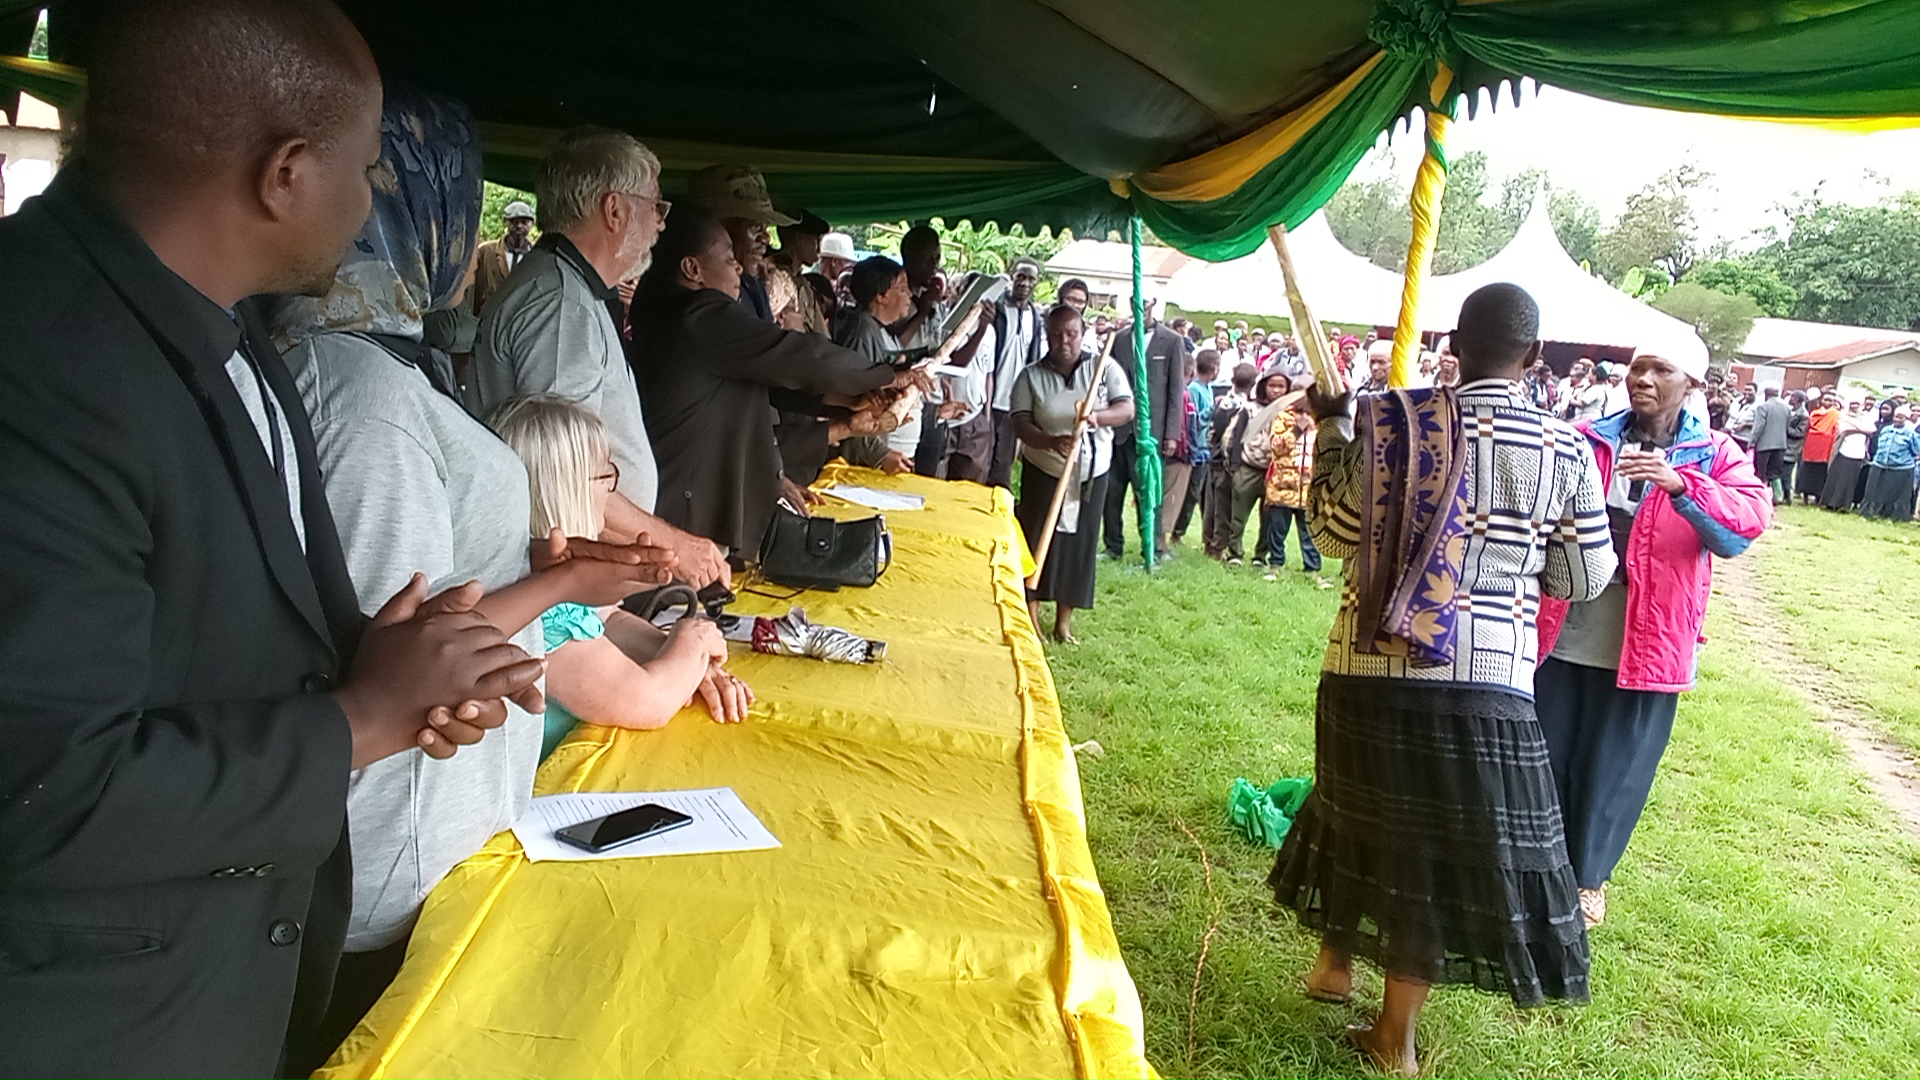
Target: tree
point(1657, 228)
point(1724, 320)
point(1371, 218)
point(1576, 222)
point(1645, 282)
point(968, 246)
point(492, 224)
point(1852, 264)
point(1751, 278)
point(37, 48)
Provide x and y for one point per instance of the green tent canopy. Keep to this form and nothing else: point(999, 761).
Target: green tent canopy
point(1208, 120)
point(1211, 119)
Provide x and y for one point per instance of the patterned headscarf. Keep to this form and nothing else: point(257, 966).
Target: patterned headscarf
point(412, 255)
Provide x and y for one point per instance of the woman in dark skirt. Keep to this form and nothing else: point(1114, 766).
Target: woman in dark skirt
point(1432, 843)
point(1612, 670)
point(1047, 397)
point(1844, 471)
point(1890, 481)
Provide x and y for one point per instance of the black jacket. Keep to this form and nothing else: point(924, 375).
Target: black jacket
point(1166, 384)
point(704, 363)
point(1003, 341)
point(173, 860)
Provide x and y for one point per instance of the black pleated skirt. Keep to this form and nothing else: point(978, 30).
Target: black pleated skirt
point(1068, 576)
point(1889, 493)
point(1432, 843)
point(1843, 479)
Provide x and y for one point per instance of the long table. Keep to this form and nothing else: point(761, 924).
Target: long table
point(933, 909)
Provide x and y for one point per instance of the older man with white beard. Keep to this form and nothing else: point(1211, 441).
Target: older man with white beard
point(553, 328)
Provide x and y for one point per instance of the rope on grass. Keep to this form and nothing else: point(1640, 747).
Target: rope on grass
point(1206, 940)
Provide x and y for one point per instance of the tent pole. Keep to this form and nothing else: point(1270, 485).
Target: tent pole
point(1428, 186)
point(1313, 341)
point(1146, 449)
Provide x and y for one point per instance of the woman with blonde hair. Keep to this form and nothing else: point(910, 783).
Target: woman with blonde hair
point(605, 666)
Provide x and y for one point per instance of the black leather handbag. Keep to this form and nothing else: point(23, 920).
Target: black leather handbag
point(822, 553)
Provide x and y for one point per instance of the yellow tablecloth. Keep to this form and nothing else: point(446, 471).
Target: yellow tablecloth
point(933, 911)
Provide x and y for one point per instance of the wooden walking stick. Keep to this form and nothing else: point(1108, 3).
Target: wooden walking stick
point(1326, 375)
point(1080, 423)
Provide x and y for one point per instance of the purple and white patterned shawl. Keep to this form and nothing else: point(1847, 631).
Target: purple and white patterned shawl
point(1413, 523)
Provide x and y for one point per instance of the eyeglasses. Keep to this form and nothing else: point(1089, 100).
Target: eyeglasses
point(663, 206)
point(613, 478)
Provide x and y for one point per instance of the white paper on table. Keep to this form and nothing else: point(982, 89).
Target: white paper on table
point(721, 822)
point(878, 500)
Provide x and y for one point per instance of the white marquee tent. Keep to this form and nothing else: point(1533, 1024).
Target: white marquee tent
point(1342, 287)
point(1338, 285)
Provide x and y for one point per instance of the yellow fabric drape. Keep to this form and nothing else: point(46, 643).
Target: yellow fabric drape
point(65, 73)
point(1220, 172)
point(933, 911)
point(1859, 125)
point(1428, 186)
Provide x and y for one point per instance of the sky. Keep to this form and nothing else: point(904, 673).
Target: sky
point(1607, 151)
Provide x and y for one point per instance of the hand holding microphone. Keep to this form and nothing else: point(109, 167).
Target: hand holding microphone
point(1648, 465)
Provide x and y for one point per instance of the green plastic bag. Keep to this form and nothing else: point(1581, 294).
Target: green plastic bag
point(1265, 816)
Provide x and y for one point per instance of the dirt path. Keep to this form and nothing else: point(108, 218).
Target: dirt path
point(1887, 765)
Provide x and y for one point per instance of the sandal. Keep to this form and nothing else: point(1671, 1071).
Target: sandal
point(1326, 997)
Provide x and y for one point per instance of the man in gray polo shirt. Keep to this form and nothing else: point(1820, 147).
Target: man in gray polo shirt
point(553, 328)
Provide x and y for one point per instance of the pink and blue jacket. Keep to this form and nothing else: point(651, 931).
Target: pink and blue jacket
point(1670, 550)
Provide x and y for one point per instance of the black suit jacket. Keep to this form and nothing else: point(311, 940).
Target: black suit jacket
point(173, 862)
point(1166, 384)
point(705, 364)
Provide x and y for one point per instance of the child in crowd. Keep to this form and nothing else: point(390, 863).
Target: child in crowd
point(1202, 369)
point(1219, 505)
point(605, 666)
point(1288, 477)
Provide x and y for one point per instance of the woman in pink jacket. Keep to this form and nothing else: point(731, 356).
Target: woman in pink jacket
point(1678, 494)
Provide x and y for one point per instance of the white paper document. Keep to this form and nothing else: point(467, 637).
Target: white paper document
point(721, 822)
point(878, 500)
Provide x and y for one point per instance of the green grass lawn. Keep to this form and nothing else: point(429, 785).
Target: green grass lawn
point(1765, 922)
point(1848, 592)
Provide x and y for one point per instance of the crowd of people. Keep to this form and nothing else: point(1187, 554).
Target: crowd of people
point(1847, 451)
point(357, 498)
point(348, 501)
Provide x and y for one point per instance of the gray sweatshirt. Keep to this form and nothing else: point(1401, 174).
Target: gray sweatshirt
point(416, 484)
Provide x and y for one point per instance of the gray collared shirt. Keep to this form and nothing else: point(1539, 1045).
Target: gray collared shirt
point(545, 332)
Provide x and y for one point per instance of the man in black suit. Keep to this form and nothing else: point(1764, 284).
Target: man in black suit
point(1165, 396)
point(185, 678)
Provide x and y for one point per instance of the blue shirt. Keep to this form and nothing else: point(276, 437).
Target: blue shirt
point(561, 624)
point(1898, 447)
point(1201, 422)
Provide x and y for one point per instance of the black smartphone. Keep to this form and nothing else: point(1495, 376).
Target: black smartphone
point(623, 827)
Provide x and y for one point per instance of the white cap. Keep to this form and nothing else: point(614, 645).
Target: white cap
point(1692, 362)
point(837, 245)
point(516, 209)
